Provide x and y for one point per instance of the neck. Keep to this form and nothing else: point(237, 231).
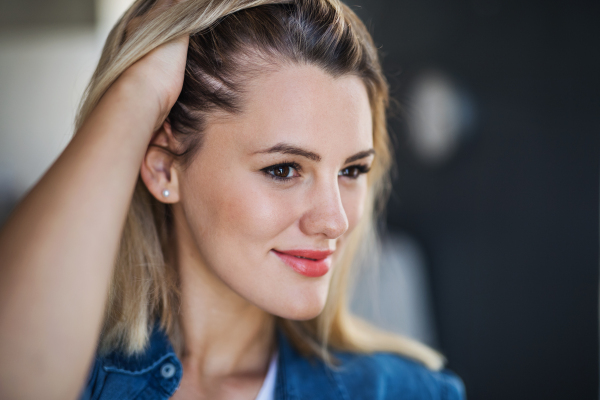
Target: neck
point(223, 334)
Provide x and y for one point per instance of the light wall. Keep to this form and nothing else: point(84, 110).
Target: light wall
point(45, 65)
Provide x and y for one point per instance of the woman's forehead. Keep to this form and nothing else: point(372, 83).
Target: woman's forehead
point(303, 106)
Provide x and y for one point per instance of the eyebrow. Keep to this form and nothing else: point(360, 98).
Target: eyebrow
point(285, 148)
point(289, 149)
point(359, 156)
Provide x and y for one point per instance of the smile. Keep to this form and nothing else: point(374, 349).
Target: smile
point(310, 263)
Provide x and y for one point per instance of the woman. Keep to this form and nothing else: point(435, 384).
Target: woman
point(202, 222)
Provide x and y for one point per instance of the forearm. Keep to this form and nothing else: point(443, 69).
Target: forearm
point(58, 248)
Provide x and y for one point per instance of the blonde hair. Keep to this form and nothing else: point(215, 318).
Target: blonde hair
point(326, 33)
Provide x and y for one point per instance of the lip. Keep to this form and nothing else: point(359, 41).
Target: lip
point(313, 264)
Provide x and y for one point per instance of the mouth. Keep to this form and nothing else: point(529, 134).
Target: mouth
point(310, 263)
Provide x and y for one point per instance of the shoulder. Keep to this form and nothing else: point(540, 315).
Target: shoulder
point(386, 375)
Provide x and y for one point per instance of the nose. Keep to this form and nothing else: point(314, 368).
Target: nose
point(325, 215)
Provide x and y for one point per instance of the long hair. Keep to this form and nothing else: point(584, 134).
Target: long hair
point(225, 37)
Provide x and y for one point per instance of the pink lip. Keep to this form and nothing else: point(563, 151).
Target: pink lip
point(314, 263)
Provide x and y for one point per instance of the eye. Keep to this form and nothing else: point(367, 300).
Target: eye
point(283, 171)
point(354, 171)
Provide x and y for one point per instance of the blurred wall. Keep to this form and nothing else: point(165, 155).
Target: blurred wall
point(48, 52)
point(45, 13)
point(43, 73)
point(507, 211)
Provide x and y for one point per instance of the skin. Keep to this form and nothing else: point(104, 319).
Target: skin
point(57, 248)
point(230, 214)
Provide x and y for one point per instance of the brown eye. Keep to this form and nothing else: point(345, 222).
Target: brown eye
point(350, 172)
point(283, 172)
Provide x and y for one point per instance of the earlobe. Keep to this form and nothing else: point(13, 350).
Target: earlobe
point(158, 167)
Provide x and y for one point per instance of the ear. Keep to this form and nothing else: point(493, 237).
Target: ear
point(158, 169)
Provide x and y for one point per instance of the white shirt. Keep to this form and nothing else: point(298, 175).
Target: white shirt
point(267, 391)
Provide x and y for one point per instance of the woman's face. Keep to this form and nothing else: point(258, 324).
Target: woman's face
point(274, 190)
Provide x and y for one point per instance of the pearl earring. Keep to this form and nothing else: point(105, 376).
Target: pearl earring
point(166, 193)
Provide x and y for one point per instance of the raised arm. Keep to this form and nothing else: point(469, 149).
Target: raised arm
point(58, 248)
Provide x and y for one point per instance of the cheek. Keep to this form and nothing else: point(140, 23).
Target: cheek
point(236, 223)
point(234, 209)
point(254, 215)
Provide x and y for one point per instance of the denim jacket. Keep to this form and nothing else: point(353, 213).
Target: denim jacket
point(156, 374)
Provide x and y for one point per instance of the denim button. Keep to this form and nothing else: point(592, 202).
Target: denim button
point(167, 370)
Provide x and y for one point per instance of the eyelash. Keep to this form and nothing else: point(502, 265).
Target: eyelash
point(362, 169)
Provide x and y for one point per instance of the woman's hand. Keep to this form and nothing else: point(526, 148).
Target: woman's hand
point(158, 76)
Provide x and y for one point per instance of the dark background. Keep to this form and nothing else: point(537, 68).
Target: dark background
point(509, 223)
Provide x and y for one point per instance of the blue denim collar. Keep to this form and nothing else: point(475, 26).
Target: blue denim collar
point(297, 377)
point(159, 348)
point(158, 360)
point(156, 373)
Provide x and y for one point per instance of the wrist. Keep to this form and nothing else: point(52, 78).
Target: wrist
point(139, 99)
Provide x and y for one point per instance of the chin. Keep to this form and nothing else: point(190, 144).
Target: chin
point(301, 308)
point(301, 314)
